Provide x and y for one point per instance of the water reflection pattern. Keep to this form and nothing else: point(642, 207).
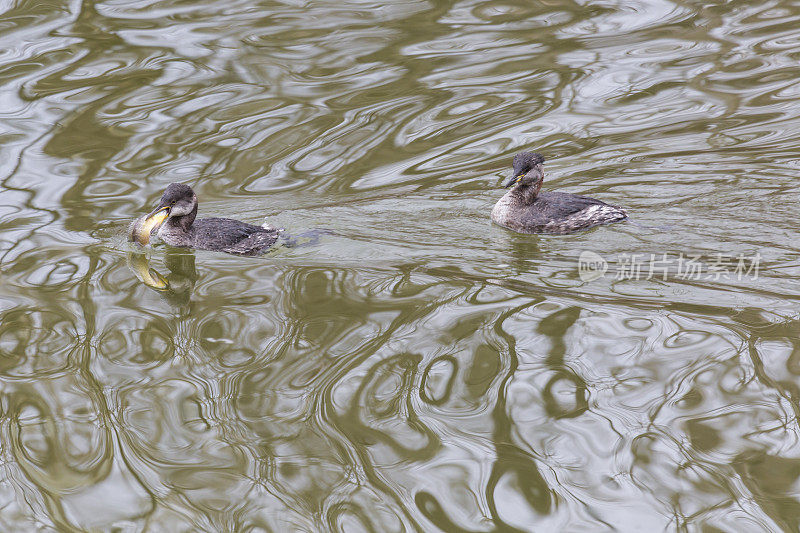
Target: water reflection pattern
point(416, 368)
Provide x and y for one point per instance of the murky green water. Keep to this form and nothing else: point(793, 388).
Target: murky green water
point(418, 368)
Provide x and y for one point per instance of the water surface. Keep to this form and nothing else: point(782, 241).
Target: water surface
point(417, 369)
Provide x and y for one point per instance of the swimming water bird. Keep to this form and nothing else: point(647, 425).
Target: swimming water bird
point(174, 221)
point(525, 209)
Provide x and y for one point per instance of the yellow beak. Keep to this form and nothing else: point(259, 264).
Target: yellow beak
point(514, 180)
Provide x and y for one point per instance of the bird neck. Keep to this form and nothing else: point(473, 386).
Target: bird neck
point(527, 192)
point(184, 222)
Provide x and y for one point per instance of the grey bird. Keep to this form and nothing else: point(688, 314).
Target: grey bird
point(174, 221)
point(527, 209)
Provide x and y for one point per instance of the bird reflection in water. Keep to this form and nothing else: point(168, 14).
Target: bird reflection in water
point(178, 285)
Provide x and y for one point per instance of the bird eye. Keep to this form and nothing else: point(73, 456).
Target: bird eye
point(174, 201)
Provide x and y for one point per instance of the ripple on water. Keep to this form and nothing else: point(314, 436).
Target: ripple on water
point(415, 368)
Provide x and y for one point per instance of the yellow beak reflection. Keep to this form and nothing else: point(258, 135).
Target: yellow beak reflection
point(150, 277)
point(140, 230)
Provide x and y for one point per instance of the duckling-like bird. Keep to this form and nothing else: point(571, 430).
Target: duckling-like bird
point(526, 210)
point(175, 224)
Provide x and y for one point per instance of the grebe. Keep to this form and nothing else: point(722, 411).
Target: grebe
point(174, 222)
point(526, 210)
